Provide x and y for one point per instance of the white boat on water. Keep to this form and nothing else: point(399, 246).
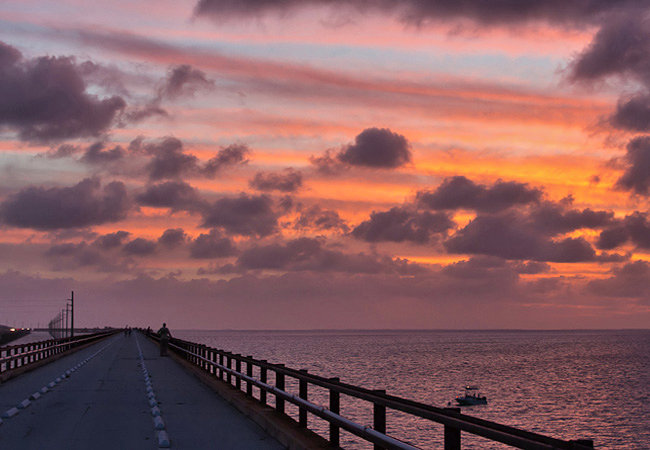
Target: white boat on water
point(471, 397)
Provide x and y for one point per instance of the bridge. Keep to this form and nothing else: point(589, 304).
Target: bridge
point(111, 389)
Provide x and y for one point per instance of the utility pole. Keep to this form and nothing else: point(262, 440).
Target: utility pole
point(71, 313)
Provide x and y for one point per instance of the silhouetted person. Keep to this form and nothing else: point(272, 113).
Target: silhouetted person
point(165, 335)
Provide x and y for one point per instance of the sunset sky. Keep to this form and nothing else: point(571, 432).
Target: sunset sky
point(285, 164)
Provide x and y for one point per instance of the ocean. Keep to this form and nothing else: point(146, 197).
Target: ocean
point(566, 384)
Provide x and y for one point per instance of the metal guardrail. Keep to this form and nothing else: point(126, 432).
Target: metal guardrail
point(13, 357)
point(219, 363)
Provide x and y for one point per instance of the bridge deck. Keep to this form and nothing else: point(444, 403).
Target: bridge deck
point(104, 405)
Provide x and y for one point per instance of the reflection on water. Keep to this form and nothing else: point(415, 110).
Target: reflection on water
point(567, 384)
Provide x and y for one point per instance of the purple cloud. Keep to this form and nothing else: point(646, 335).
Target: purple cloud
point(459, 192)
point(637, 175)
point(112, 240)
point(401, 224)
point(629, 281)
point(177, 195)
point(172, 237)
point(140, 247)
point(552, 218)
point(320, 219)
point(508, 236)
point(247, 215)
point(377, 148)
point(307, 254)
point(96, 154)
point(417, 12)
point(81, 205)
point(228, 156)
point(212, 245)
point(635, 228)
point(290, 180)
point(168, 159)
point(45, 99)
point(184, 80)
point(633, 113)
point(620, 47)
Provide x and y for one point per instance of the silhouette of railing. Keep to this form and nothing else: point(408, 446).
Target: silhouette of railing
point(245, 372)
point(15, 357)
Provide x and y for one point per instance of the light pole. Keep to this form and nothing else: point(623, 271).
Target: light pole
point(71, 299)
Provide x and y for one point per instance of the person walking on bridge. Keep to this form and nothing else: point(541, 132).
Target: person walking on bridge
point(165, 335)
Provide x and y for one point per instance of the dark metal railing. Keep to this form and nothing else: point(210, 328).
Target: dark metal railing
point(228, 367)
point(13, 357)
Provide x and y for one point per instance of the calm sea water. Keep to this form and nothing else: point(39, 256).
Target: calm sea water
point(567, 384)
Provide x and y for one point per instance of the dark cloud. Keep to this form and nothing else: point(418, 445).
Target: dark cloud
point(327, 164)
point(531, 267)
point(402, 224)
point(479, 267)
point(9, 55)
point(228, 156)
point(574, 13)
point(177, 195)
point(212, 245)
point(634, 228)
point(62, 151)
point(509, 236)
point(110, 78)
point(184, 80)
point(70, 255)
point(307, 254)
point(111, 240)
point(247, 215)
point(605, 257)
point(637, 175)
point(289, 180)
point(140, 247)
point(96, 154)
point(45, 99)
point(139, 113)
point(552, 218)
point(460, 192)
point(320, 219)
point(629, 281)
point(172, 237)
point(168, 159)
point(81, 205)
point(377, 148)
point(620, 48)
point(633, 113)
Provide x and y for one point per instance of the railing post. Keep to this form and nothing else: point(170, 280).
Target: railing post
point(379, 417)
point(335, 407)
point(279, 383)
point(238, 369)
point(221, 364)
point(229, 365)
point(302, 393)
point(215, 359)
point(249, 372)
point(263, 379)
point(452, 434)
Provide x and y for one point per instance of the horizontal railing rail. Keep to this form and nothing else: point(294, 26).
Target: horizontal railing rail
point(219, 363)
point(13, 357)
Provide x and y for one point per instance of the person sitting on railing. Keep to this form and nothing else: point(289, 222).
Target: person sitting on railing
point(165, 335)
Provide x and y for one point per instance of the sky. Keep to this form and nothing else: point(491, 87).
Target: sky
point(326, 164)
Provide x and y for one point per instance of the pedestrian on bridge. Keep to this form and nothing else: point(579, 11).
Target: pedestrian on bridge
point(165, 335)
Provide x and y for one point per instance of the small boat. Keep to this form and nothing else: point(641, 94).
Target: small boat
point(472, 397)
